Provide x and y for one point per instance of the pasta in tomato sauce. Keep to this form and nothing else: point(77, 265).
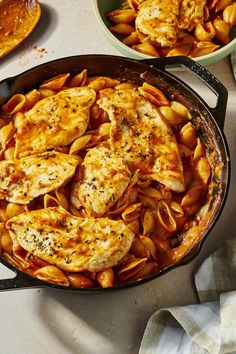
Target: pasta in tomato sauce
point(136, 175)
point(164, 28)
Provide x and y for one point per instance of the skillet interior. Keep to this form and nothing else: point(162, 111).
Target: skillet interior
point(118, 67)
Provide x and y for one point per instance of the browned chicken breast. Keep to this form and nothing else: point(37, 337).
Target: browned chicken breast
point(54, 121)
point(160, 20)
point(191, 13)
point(24, 179)
point(72, 243)
point(101, 181)
point(143, 139)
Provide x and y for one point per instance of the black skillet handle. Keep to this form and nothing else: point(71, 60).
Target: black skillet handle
point(20, 281)
point(204, 75)
point(5, 89)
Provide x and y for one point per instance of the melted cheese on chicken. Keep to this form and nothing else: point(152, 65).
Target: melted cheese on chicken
point(54, 121)
point(101, 181)
point(72, 243)
point(158, 19)
point(191, 13)
point(143, 139)
point(25, 179)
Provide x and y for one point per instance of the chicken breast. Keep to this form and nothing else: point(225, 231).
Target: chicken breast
point(143, 139)
point(161, 20)
point(101, 181)
point(25, 179)
point(73, 244)
point(54, 121)
point(191, 13)
point(158, 19)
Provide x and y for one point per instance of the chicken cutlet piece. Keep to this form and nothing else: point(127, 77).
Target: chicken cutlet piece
point(143, 139)
point(101, 181)
point(25, 179)
point(54, 121)
point(161, 20)
point(191, 13)
point(158, 19)
point(72, 243)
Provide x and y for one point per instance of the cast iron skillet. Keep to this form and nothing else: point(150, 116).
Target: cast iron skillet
point(209, 122)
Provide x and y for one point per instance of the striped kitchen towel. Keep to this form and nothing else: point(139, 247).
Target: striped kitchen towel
point(209, 327)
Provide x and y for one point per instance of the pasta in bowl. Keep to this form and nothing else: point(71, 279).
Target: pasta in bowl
point(202, 30)
point(106, 180)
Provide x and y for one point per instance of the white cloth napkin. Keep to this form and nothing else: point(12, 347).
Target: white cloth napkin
point(209, 327)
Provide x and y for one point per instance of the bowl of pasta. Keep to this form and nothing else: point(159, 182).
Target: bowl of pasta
point(113, 171)
point(141, 29)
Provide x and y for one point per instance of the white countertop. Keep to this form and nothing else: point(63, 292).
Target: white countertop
point(46, 321)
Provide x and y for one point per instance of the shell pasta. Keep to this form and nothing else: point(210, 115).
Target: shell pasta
point(161, 28)
point(99, 178)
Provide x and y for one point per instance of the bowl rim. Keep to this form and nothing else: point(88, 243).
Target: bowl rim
point(217, 55)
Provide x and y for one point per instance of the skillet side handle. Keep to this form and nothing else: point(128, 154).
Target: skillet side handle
point(5, 89)
point(20, 281)
point(204, 75)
